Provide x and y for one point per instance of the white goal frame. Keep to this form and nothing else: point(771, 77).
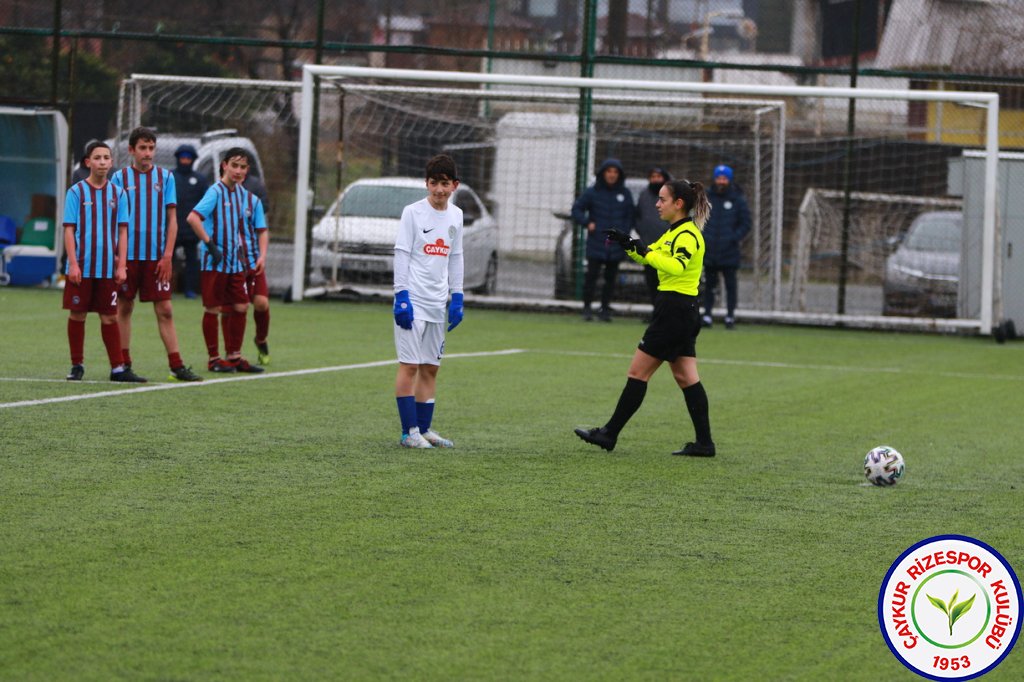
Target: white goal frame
point(986, 100)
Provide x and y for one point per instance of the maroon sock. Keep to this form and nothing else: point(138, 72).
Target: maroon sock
point(126, 356)
point(76, 340)
point(262, 319)
point(210, 334)
point(237, 322)
point(226, 326)
point(174, 360)
point(112, 340)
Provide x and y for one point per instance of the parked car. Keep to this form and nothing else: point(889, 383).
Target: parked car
point(356, 236)
point(922, 275)
point(630, 286)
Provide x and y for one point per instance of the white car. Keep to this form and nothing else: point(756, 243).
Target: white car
point(355, 240)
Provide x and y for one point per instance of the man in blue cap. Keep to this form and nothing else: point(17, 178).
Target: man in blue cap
point(191, 187)
point(725, 229)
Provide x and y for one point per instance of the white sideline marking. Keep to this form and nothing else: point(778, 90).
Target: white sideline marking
point(793, 365)
point(249, 377)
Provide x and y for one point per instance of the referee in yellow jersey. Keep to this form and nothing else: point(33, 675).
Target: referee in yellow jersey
point(671, 337)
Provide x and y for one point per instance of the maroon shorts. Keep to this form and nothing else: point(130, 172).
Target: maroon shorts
point(222, 288)
point(93, 295)
point(142, 281)
point(256, 285)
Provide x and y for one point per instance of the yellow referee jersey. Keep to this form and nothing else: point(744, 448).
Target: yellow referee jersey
point(678, 256)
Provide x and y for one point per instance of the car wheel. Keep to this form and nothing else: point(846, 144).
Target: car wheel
point(490, 285)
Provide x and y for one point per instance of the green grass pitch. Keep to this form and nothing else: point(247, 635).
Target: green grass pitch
point(272, 529)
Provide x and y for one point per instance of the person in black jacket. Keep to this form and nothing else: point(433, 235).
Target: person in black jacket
point(728, 225)
point(649, 224)
point(191, 186)
point(607, 204)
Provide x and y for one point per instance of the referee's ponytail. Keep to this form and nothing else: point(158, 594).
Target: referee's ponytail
point(694, 198)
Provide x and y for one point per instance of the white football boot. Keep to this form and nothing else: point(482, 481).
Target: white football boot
point(437, 440)
point(413, 439)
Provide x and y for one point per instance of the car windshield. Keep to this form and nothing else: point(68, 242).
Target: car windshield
point(936, 234)
point(379, 201)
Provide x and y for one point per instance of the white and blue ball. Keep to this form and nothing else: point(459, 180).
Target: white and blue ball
point(883, 466)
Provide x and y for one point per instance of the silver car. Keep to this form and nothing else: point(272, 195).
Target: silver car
point(355, 240)
point(923, 274)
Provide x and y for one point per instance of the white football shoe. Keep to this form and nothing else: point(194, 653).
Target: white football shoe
point(413, 439)
point(437, 440)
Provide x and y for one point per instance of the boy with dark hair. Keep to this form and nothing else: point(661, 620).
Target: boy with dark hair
point(428, 266)
point(219, 220)
point(95, 240)
point(255, 240)
point(151, 235)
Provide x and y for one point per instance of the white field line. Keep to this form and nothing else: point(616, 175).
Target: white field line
point(248, 377)
point(793, 365)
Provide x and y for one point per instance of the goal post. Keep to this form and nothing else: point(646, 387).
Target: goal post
point(801, 102)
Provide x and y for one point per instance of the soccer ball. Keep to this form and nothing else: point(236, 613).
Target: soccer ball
point(883, 466)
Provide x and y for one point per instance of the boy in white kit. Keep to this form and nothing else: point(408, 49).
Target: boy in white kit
point(428, 265)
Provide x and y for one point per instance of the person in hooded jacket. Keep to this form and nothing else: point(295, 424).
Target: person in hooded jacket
point(191, 187)
point(728, 224)
point(607, 204)
point(649, 224)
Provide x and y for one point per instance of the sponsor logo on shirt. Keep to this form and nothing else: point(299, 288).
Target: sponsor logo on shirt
point(438, 248)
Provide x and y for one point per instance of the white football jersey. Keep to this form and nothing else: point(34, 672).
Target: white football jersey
point(431, 238)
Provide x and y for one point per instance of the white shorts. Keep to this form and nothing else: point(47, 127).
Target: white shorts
point(421, 345)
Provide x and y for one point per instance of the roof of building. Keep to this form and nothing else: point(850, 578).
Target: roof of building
point(966, 36)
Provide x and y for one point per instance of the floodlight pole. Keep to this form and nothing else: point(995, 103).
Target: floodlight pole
point(851, 128)
point(55, 53)
point(307, 149)
point(583, 118)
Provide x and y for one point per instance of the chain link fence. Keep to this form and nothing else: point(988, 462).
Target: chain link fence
point(877, 44)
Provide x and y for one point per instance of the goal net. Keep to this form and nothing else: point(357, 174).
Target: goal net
point(523, 154)
point(340, 150)
point(879, 226)
point(529, 144)
point(214, 114)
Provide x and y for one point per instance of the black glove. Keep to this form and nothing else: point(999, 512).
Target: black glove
point(617, 236)
point(638, 246)
point(216, 255)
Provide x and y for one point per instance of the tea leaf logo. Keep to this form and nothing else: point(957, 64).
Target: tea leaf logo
point(954, 611)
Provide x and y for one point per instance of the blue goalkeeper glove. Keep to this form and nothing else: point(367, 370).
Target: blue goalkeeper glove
point(216, 255)
point(455, 311)
point(403, 310)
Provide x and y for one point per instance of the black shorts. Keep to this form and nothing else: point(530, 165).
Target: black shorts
point(674, 327)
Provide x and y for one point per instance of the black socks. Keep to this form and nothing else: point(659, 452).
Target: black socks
point(629, 402)
point(697, 405)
